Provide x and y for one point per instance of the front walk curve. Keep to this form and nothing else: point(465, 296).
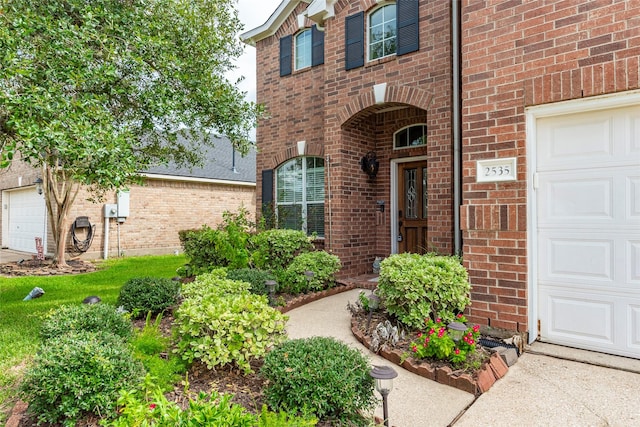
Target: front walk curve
point(415, 401)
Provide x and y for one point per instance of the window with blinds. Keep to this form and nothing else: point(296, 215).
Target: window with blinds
point(300, 195)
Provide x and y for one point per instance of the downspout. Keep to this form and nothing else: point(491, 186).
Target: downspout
point(456, 124)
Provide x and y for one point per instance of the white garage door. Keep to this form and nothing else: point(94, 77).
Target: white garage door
point(588, 230)
point(27, 216)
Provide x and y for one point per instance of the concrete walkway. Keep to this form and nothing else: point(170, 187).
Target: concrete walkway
point(538, 391)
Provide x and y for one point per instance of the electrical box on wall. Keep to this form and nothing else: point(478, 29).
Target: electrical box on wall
point(123, 204)
point(110, 211)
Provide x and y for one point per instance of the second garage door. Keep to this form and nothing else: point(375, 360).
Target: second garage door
point(27, 219)
point(588, 230)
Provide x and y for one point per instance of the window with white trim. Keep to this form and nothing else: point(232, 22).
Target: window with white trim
point(300, 195)
point(411, 136)
point(303, 49)
point(382, 31)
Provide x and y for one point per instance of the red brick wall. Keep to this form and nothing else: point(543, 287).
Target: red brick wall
point(334, 110)
point(517, 54)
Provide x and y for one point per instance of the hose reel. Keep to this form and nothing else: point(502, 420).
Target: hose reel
point(82, 224)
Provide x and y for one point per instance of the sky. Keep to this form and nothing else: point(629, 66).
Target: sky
point(252, 13)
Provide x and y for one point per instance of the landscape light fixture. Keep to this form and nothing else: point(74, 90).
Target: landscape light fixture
point(456, 330)
point(384, 376)
point(271, 289)
point(374, 303)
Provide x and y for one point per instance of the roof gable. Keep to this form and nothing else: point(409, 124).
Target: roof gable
point(317, 11)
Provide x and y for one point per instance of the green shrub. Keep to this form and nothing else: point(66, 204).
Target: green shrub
point(85, 317)
point(205, 410)
point(214, 283)
point(225, 246)
point(223, 327)
point(417, 287)
point(283, 419)
point(150, 346)
point(148, 294)
point(153, 409)
point(256, 278)
point(77, 373)
point(323, 265)
point(321, 375)
point(275, 249)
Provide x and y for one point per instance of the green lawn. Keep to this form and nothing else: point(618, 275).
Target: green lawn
point(20, 320)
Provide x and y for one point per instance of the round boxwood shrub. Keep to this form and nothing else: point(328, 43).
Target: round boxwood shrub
point(319, 374)
point(85, 317)
point(77, 373)
point(416, 287)
point(148, 294)
point(256, 278)
point(323, 265)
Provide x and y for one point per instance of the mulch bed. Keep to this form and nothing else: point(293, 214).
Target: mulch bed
point(32, 267)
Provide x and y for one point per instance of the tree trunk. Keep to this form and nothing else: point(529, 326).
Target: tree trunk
point(60, 193)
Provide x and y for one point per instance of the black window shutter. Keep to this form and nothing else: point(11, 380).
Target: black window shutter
point(267, 186)
point(285, 56)
point(354, 34)
point(408, 34)
point(317, 46)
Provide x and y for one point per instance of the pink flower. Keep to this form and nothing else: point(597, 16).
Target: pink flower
point(438, 320)
point(152, 406)
point(476, 328)
point(471, 342)
point(414, 349)
point(432, 331)
point(457, 351)
point(419, 334)
point(426, 341)
point(459, 316)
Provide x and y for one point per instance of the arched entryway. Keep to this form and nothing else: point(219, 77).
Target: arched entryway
point(406, 205)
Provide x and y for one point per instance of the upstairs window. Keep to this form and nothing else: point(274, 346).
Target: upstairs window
point(306, 49)
point(392, 29)
point(382, 32)
point(303, 49)
point(300, 195)
point(412, 136)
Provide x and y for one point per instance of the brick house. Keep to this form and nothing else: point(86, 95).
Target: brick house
point(171, 199)
point(506, 131)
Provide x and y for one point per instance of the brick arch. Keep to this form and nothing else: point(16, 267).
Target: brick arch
point(365, 5)
point(312, 150)
point(395, 94)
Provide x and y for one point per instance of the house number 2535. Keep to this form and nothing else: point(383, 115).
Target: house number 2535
point(497, 170)
point(492, 170)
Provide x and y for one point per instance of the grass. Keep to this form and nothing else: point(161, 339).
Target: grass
point(20, 320)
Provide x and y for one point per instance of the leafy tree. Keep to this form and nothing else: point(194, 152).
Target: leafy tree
point(93, 92)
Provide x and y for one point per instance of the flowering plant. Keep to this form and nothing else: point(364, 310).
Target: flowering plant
point(437, 343)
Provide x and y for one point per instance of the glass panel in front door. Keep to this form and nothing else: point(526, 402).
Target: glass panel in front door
point(411, 193)
point(424, 191)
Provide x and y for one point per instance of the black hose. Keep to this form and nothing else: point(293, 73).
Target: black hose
point(82, 245)
point(493, 344)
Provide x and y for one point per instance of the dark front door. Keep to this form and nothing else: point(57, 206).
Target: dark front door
point(412, 207)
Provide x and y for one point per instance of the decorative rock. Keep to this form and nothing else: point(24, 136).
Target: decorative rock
point(508, 355)
point(91, 300)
